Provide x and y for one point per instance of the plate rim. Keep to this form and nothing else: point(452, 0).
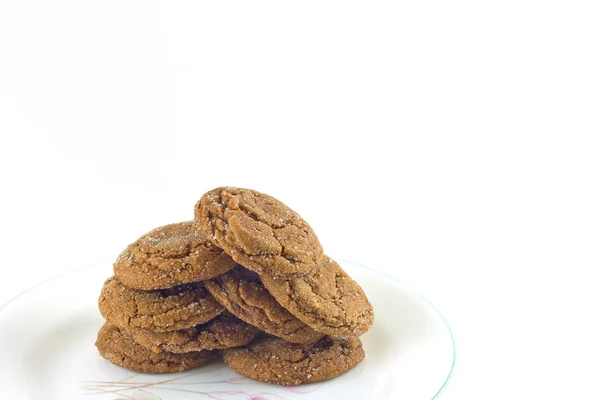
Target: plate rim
point(383, 274)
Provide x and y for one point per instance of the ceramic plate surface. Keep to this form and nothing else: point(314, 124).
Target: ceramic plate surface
point(47, 350)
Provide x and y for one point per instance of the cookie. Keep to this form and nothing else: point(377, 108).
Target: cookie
point(242, 293)
point(180, 307)
point(273, 360)
point(258, 231)
point(223, 332)
point(169, 256)
point(121, 350)
point(327, 300)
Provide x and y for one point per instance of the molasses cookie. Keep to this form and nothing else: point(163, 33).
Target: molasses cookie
point(168, 256)
point(273, 360)
point(223, 332)
point(242, 293)
point(179, 307)
point(327, 300)
point(258, 231)
point(124, 352)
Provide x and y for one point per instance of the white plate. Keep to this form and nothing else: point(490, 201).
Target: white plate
point(47, 350)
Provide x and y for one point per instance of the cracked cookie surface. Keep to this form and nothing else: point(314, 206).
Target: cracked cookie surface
point(243, 294)
point(273, 360)
point(327, 300)
point(121, 350)
point(180, 307)
point(169, 256)
point(222, 332)
point(258, 231)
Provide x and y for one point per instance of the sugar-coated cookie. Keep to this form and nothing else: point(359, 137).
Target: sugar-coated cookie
point(121, 350)
point(274, 360)
point(169, 256)
point(258, 231)
point(222, 332)
point(327, 300)
point(180, 307)
point(242, 293)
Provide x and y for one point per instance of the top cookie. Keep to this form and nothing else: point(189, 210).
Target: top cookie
point(327, 300)
point(169, 256)
point(258, 231)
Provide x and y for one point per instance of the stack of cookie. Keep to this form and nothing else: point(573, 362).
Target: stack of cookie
point(246, 264)
point(159, 315)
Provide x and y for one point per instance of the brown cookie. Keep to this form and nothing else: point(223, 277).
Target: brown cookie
point(258, 231)
point(242, 293)
point(273, 360)
point(170, 255)
point(327, 300)
point(223, 332)
point(171, 309)
point(124, 352)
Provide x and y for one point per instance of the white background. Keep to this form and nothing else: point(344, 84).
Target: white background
point(453, 145)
